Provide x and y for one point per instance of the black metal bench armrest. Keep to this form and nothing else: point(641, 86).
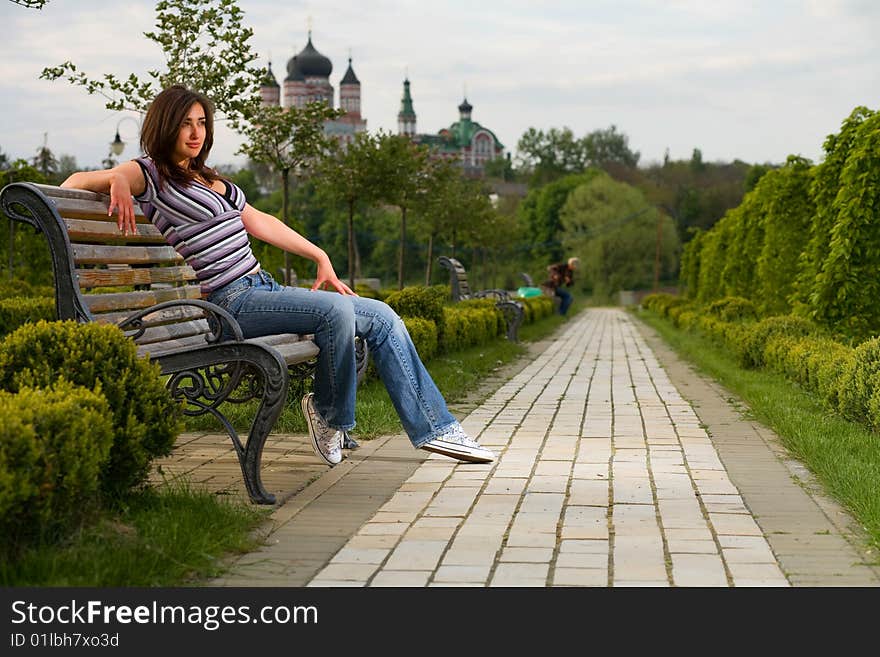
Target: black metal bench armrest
point(216, 316)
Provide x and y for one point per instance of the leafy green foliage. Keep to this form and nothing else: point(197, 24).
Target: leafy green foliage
point(847, 286)
point(788, 213)
point(100, 358)
point(53, 445)
point(823, 191)
point(206, 48)
point(418, 301)
point(547, 156)
point(16, 311)
point(614, 231)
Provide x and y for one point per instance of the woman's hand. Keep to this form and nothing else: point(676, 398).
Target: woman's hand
point(122, 202)
point(327, 276)
point(120, 183)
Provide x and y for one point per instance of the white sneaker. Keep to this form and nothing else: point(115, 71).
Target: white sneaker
point(326, 441)
point(457, 444)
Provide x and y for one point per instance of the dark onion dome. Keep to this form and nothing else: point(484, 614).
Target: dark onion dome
point(311, 63)
point(269, 79)
point(293, 72)
point(350, 77)
point(465, 106)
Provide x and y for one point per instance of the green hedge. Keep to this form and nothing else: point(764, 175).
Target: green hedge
point(101, 358)
point(469, 325)
point(17, 311)
point(53, 445)
point(419, 301)
point(424, 336)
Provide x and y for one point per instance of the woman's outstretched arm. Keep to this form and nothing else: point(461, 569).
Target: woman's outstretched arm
point(120, 183)
point(272, 230)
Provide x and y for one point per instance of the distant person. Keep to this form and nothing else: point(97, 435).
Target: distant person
point(562, 276)
point(207, 219)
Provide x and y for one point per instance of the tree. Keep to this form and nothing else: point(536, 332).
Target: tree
point(45, 161)
point(603, 147)
point(442, 206)
point(206, 48)
point(351, 175)
point(403, 167)
point(613, 229)
point(287, 139)
point(27, 255)
point(549, 156)
point(539, 212)
point(31, 4)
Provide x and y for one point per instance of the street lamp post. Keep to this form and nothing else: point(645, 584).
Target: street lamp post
point(117, 145)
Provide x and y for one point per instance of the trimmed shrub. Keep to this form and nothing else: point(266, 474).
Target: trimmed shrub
point(420, 301)
point(469, 325)
point(732, 309)
point(826, 363)
point(20, 288)
point(53, 445)
point(99, 357)
point(753, 341)
point(424, 336)
point(536, 308)
point(16, 311)
point(859, 383)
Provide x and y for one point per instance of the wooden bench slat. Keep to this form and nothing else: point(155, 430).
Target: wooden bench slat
point(165, 316)
point(157, 349)
point(89, 278)
point(95, 254)
point(174, 331)
point(93, 230)
point(142, 299)
point(280, 338)
point(293, 352)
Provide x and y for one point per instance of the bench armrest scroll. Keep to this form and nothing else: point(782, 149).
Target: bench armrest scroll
point(217, 318)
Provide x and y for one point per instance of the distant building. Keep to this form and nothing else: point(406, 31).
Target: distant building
point(308, 79)
point(473, 144)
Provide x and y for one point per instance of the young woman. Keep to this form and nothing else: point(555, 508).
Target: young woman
point(207, 220)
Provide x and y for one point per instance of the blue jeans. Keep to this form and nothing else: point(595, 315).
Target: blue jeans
point(564, 298)
point(264, 307)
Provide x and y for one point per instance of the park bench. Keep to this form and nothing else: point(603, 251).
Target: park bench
point(511, 309)
point(140, 284)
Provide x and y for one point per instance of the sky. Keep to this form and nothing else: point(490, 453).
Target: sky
point(754, 80)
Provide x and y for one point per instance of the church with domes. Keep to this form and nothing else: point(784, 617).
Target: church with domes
point(308, 79)
point(467, 140)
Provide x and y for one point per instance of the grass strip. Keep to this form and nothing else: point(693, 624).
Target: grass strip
point(158, 537)
point(844, 456)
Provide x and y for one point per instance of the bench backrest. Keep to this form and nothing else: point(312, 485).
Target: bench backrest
point(102, 275)
point(457, 278)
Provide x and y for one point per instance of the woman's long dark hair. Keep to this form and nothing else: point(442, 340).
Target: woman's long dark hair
point(161, 128)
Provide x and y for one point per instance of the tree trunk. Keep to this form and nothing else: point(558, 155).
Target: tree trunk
point(351, 249)
point(11, 248)
point(430, 260)
point(401, 252)
point(285, 216)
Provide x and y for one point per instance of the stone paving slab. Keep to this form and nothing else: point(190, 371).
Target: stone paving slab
point(618, 465)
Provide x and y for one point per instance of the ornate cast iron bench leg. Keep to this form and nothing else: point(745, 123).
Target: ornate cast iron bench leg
point(272, 392)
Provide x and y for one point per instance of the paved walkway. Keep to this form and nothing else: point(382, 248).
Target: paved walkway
point(618, 465)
